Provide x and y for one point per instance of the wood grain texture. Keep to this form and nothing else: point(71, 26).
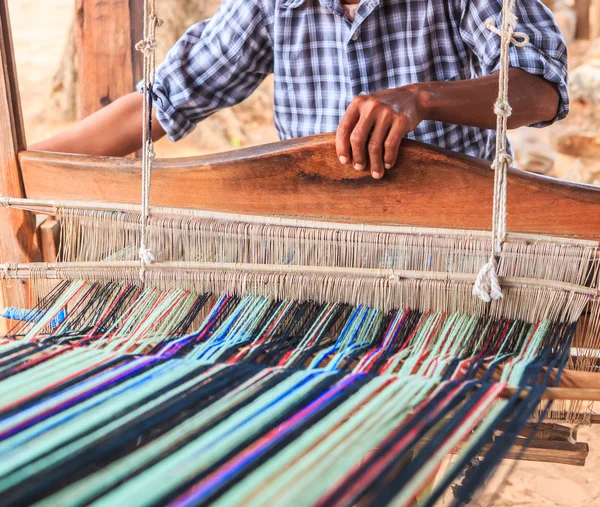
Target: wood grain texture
point(544, 431)
point(104, 52)
point(429, 187)
point(582, 10)
point(548, 451)
point(50, 239)
point(575, 379)
point(17, 228)
point(136, 13)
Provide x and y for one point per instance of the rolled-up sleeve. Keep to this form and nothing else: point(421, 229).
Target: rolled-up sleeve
point(217, 63)
point(545, 55)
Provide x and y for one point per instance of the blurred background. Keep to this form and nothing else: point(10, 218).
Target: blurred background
point(49, 69)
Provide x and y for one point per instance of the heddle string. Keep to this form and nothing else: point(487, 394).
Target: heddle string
point(487, 286)
point(148, 47)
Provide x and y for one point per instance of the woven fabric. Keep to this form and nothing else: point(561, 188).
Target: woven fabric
point(321, 60)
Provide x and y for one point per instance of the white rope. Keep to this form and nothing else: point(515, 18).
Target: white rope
point(487, 286)
point(148, 47)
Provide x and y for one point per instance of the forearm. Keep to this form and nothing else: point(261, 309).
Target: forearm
point(470, 102)
point(115, 130)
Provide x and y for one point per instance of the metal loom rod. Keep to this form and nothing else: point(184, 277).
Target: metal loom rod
point(58, 270)
point(53, 207)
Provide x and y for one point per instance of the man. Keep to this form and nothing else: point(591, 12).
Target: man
point(375, 70)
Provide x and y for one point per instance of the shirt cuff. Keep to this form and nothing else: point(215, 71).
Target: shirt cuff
point(173, 122)
point(535, 62)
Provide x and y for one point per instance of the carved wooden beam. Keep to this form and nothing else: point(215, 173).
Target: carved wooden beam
point(428, 187)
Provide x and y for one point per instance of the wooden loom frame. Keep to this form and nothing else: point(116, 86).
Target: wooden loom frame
point(429, 187)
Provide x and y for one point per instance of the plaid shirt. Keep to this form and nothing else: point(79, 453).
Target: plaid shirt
point(321, 60)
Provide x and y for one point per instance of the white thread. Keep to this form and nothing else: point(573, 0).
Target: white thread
point(572, 434)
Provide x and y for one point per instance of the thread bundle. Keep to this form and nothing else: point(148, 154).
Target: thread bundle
point(169, 397)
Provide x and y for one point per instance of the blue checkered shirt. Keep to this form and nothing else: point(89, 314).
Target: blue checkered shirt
point(321, 60)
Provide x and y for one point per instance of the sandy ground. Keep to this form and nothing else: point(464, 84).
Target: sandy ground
point(39, 32)
point(546, 484)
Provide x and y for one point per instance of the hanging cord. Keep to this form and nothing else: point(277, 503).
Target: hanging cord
point(487, 286)
point(148, 47)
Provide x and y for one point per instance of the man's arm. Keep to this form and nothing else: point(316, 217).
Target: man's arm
point(538, 91)
point(372, 129)
point(217, 63)
point(115, 130)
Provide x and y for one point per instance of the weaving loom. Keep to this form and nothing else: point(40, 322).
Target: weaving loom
point(305, 352)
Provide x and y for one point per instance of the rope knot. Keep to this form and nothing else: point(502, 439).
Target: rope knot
point(8, 267)
point(517, 39)
point(146, 256)
point(502, 158)
point(147, 45)
point(150, 150)
point(5, 201)
point(502, 108)
point(156, 21)
point(487, 285)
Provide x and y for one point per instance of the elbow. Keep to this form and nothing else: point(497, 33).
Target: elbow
point(538, 102)
point(551, 102)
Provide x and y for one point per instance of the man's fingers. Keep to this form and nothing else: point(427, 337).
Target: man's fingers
point(376, 143)
point(392, 142)
point(344, 130)
point(358, 141)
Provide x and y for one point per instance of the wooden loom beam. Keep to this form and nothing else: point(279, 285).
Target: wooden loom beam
point(429, 187)
point(547, 451)
point(17, 228)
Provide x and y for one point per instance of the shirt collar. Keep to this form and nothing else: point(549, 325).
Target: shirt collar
point(364, 9)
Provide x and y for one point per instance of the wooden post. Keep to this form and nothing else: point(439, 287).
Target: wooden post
point(17, 228)
point(50, 239)
point(105, 35)
point(594, 19)
point(582, 9)
point(136, 12)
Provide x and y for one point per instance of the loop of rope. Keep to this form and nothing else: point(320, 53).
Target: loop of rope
point(573, 433)
point(146, 255)
point(8, 267)
point(518, 39)
point(502, 158)
point(487, 285)
point(148, 47)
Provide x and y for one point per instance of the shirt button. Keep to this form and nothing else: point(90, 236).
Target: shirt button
point(355, 36)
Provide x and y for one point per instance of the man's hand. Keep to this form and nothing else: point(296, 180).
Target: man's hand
point(372, 129)
point(370, 132)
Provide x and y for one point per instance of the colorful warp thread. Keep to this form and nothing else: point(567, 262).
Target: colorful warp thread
point(148, 397)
